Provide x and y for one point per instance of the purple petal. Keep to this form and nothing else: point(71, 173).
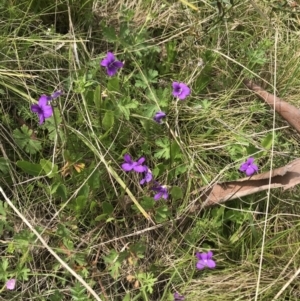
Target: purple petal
point(147, 178)
point(127, 158)
point(211, 264)
point(104, 62)
point(141, 160)
point(35, 108)
point(198, 255)
point(10, 284)
point(176, 85)
point(127, 166)
point(165, 195)
point(139, 168)
point(157, 196)
point(41, 118)
point(200, 265)
point(159, 116)
point(56, 94)
point(118, 64)
point(243, 167)
point(185, 91)
point(43, 100)
point(111, 71)
point(47, 111)
point(210, 254)
point(178, 297)
point(250, 161)
point(250, 171)
point(203, 256)
point(110, 56)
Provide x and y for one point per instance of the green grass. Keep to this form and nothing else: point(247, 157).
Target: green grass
point(102, 233)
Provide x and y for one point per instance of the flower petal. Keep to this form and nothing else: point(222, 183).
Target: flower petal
point(210, 254)
point(250, 161)
point(56, 94)
point(141, 160)
point(110, 56)
point(43, 100)
point(47, 111)
point(157, 196)
point(35, 108)
point(211, 263)
point(41, 118)
point(250, 171)
point(104, 62)
point(198, 255)
point(111, 70)
point(127, 158)
point(127, 166)
point(10, 284)
point(176, 85)
point(118, 64)
point(203, 256)
point(243, 167)
point(200, 265)
point(139, 168)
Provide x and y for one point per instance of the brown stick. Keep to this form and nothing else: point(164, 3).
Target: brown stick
point(289, 112)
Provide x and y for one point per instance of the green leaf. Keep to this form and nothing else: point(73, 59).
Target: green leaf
point(127, 297)
point(80, 203)
point(175, 151)
point(107, 208)
point(4, 264)
point(267, 141)
point(162, 214)
point(23, 138)
point(148, 203)
point(30, 168)
point(164, 152)
point(51, 123)
point(61, 191)
point(113, 84)
point(109, 33)
point(4, 166)
point(97, 98)
point(176, 193)
point(50, 169)
point(108, 120)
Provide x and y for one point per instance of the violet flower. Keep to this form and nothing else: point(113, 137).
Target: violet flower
point(178, 297)
point(133, 165)
point(180, 90)
point(55, 95)
point(148, 177)
point(159, 116)
point(205, 260)
point(162, 192)
point(111, 64)
point(11, 284)
point(42, 108)
point(249, 167)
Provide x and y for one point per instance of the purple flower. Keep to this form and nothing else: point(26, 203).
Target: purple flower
point(180, 90)
point(55, 94)
point(159, 116)
point(133, 165)
point(249, 167)
point(178, 297)
point(148, 176)
point(10, 284)
point(162, 192)
point(42, 108)
point(111, 64)
point(205, 260)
